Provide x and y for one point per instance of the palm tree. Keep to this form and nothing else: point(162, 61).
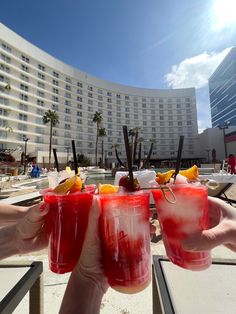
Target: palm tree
point(151, 141)
point(97, 118)
point(102, 133)
point(132, 134)
point(52, 118)
point(140, 140)
point(117, 155)
point(136, 131)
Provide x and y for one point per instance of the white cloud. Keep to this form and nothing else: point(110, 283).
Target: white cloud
point(195, 71)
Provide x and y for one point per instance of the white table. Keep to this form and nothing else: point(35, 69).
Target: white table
point(176, 290)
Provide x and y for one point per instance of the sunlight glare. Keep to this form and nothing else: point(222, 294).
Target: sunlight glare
point(224, 13)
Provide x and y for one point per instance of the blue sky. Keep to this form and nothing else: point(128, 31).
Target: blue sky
point(151, 43)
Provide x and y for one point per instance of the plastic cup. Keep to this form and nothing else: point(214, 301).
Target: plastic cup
point(66, 225)
point(187, 216)
point(54, 177)
point(125, 240)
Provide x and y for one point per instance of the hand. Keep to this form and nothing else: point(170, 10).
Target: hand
point(10, 214)
point(223, 228)
point(87, 283)
point(30, 232)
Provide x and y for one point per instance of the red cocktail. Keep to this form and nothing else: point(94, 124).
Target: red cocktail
point(187, 216)
point(125, 239)
point(66, 225)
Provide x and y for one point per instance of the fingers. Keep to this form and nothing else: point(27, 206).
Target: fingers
point(208, 239)
point(36, 212)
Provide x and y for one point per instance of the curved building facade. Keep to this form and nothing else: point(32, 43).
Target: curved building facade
point(39, 82)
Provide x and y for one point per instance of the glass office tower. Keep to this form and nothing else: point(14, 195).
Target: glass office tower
point(222, 88)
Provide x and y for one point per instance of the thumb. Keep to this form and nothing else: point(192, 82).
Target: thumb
point(36, 212)
point(206, 240)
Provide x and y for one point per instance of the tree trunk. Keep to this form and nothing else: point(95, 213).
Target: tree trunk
point(135, 147)
point(149, 155)
point(139, 155)
point(118, 158)
point(50, 146)
point(96, 150)
point(102, 156)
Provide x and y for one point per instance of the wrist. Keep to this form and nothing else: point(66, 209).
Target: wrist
point(8, 245)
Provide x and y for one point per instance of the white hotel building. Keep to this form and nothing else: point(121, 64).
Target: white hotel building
point(40, 82)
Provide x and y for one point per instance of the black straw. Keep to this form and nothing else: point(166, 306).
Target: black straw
point(178, 161)
point(55, 158)
point(128, 155)
point(75, 157)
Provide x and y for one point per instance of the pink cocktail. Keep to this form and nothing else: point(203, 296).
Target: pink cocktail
point(125, 239)
point(187, 216)
point(66, 225)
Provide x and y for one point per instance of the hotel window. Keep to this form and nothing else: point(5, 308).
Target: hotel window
point(24, 78)
point(68, 87)
point(54, 141)
point(4, 112)
point(127, 103)
point(23, 107)
point(100, 97)
point(118, 102)
point(54, 82)
point(109, 100)
point(118, 114)
point(152, 100)
point(90, 109)
point(5, 68)
point(178, 105)
point(41, 76)
point(126, 109)
point(90, 95)
point(144, 111)
point(41, 85)
point(118, 108)
point(24, 87)
point(79, 99)
point(90, 88)
point(79, 121)
point(100, 91)
point(100, 104)
point(109, 113)
point(22, 127)
point(90, 102)
point(161, 117)
point(68, 95)
point(109, 106)
point(40, 112)
point(79, 114)
point(180, 123)
point(24, 97)
point(68, 118)
point(126, 97)
point(54, 98)
point(79, 91)
point(23, 117)
point(40, 102)
point(24, 58)
point(79, 106)
point(55, 74)
point(79, 84)
point(171, 123)
point(41, 67)
point(5, 47)
point(189, 122)
point(68, 80)
point(55, 90)
point(6, 58)
point(55, 107)
point(170, 117)
point(117, 95)
point(109, 119)
point(67, 110)
point(68, 103)
point(40, 94)
point(143, 99)
point(109, 94)
point(24, 68)
point(187, 99)
point(161, 100)
point(135, 116)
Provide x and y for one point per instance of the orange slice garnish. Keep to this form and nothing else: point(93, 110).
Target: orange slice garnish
point(162, 178)
point(107, 188)
point(191, 173)
point(65, 187)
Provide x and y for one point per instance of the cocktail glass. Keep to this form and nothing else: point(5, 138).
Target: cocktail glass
point(66, 225)
point(54, 177)
point(125, 239)
point(187, 216)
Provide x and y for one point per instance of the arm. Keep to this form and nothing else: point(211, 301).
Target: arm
point(27, 235)
point(87, 284)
